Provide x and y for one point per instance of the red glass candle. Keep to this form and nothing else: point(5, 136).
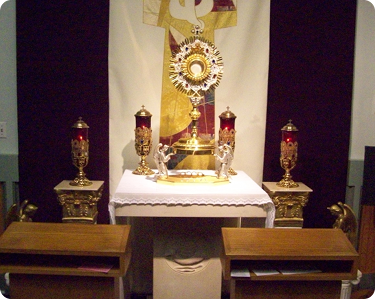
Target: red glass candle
point(143, 118)
point(227, 120)
point(289, 133)
point(80, 130)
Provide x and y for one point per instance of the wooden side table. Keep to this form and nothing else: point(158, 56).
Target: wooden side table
point(79, 204)
point(287, 263)
point(65, 260)
point(289, 203)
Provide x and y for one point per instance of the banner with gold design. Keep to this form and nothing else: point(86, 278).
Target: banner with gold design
point(143, 36)
point(179, 21)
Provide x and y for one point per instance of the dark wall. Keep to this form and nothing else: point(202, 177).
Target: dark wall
point(62, 71)
point(310, 82)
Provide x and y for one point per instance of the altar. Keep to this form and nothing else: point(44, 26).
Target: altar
point(193, 212)
point(142, 196)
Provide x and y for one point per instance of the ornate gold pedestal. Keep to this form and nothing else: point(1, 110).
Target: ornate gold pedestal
point(289, 203)
point(79, 203)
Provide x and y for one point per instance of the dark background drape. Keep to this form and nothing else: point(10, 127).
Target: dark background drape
point(310, 82)
point(62, 74)
point(62, 71)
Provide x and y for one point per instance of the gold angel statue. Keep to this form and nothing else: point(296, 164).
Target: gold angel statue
point(23, 214)
point(345, 220)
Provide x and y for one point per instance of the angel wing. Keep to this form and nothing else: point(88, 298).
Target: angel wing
point(12, 215)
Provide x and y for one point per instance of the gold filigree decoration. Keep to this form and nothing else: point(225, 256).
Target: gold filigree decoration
point(288, 160)
point(80, 157)
point(79, 206)
point(143, 140)
point(290, 206)
point(196, 67)
point(143, 145)
point(227, 137)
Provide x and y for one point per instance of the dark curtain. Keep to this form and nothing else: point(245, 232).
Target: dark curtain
point(62, 71)
point(310, 82)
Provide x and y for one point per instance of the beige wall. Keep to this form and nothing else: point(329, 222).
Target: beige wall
point(8, 79)
point(363, 111)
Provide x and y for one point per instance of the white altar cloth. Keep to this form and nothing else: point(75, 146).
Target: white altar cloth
point(144, 191)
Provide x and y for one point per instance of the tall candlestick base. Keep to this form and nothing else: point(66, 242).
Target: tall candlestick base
point(79, 203)
point(81, 180)
point(143, 168)
point(287, 182)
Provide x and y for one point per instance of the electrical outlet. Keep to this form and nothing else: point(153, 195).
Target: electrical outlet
point(3, 129)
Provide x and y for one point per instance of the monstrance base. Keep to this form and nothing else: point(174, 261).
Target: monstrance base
point(194, 146)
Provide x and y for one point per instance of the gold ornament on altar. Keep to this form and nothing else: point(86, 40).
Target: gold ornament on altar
point(80, 151)
point(227, 132)
point(143, 140)
point(196, 68)
point(288, 154)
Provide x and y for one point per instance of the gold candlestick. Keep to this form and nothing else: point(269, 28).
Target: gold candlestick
point(80, 152)
point(288, 154)
point(143, 140)
point(227, 132)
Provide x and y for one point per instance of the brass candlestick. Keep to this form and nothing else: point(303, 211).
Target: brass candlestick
point(143, 140)
point(80, 152)
point(288, 154)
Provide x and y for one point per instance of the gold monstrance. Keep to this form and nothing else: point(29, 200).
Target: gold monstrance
point(195, 69)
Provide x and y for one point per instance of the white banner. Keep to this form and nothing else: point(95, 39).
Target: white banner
point(135, 78)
